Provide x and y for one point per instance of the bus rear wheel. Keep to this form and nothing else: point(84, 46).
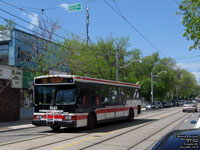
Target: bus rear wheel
point(55, 128)
point(131, 115)
point(91, 122)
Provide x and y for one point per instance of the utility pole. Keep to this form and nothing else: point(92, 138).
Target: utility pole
point(87, 24)
point(117, 64)
point(151, 86)
point(152, 98)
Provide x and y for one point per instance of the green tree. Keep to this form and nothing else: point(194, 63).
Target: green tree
point(187, 84)
point(10, 24)
point(95, 60)
point(190, 9)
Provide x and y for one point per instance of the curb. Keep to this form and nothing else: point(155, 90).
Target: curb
point(4, 129)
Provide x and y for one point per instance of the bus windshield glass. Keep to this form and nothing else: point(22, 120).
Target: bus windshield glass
point(55, 94)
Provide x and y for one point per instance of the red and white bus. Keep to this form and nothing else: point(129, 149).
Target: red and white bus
point(75, 101)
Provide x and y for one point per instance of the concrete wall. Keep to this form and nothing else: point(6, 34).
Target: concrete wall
point(26, 113)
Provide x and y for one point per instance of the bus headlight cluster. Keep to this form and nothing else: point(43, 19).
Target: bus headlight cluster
point(68, 117)
point(39, 117)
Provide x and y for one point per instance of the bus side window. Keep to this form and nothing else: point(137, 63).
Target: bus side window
point(136, 94)
point(113, 95)
point(94, 94)
point(82, 96)
point(104, 92)
point(121, 95)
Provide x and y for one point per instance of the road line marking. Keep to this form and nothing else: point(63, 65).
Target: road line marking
point(81, 141)
point(192, 115)
point(186, 120)
point(77, 142)
point(198, 124)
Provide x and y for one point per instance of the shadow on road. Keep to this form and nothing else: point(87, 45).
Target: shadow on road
point(105, 127)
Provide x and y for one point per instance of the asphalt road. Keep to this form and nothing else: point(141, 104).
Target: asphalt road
point(140, 134)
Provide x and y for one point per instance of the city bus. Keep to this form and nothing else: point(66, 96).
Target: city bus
point(75, 101)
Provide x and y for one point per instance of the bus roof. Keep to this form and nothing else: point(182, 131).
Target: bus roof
point(90, 80)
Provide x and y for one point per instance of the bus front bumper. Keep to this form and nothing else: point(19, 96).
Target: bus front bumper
point(64, 123)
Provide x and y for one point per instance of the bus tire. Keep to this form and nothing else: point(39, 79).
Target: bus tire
point(91, 122)
point(55, 128)
point(131, 115)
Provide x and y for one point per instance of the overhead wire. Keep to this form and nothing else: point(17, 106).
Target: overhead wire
point(41, 36)
point(133, 27)
point(190, 62)
point(186, 57)
point(21, 9)
point(32, 24)
point(25, 42)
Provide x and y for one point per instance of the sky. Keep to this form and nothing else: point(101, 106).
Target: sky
point(153, 24)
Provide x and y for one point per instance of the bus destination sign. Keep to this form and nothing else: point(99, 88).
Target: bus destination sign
point(53, 80)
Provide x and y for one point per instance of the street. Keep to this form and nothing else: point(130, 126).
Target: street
point(140, 134)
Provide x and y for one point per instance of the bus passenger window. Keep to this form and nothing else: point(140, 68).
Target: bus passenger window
point(104, 100)
point(82, 96)
point(94, 90)
point(121, 96)
point(136, 94)
point(113, 95)
point(97, 100)
point(104, 92)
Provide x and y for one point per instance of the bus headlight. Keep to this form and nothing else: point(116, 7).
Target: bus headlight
point(68, 117)
point(39, 117)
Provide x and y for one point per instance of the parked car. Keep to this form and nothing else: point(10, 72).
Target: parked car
point(180, 102)
point(158, 105)
point(150, 106)
point(190, 106)
point(165, 104)
point(175, 103)
point(170, 103)
point(179, 139)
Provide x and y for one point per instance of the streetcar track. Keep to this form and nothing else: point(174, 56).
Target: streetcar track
point(153, 134)
point(92, 131)
point(106, 139)
point(126, 132)
point(25, 140)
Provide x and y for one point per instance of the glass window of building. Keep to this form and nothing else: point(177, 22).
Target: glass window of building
point(4, 54)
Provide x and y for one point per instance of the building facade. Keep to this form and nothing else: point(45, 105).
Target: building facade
point(18, 53)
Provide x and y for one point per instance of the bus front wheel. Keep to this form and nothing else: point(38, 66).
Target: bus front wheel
point(91, 123)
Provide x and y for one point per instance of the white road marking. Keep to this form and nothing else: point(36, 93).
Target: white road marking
point(198, 124)
point(186, 120)
point(192, 115)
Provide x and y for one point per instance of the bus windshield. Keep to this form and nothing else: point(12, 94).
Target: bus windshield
point(54, 94)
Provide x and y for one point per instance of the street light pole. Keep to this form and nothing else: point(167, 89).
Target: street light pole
point(152, 82)
point(152, 87)
point(117, 64)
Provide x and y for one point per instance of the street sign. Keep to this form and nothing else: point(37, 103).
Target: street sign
point(74, 7)
point(16, 78)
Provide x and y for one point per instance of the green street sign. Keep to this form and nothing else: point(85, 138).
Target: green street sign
point(74, 7)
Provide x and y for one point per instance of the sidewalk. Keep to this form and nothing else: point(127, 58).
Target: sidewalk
point(15, 125)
